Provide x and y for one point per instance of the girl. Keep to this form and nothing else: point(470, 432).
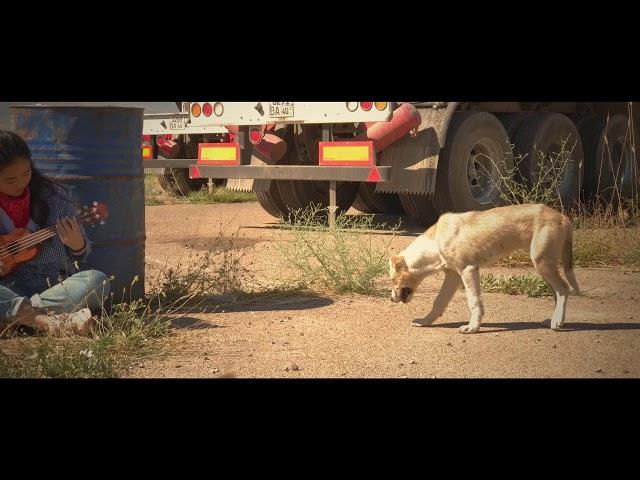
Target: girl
point(46, 283)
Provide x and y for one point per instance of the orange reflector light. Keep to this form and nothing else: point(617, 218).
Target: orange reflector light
point(196, 109)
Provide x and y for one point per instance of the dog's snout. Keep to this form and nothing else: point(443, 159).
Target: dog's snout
point(405, 292)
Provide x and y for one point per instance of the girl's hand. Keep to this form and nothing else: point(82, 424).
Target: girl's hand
point(70, 233)
point(3, 270)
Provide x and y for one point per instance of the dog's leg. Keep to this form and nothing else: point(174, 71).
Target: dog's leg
point(447, 291)
point(471, 279)
point(549, 271)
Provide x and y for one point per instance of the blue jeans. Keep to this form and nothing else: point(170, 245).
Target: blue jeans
point(89, 288)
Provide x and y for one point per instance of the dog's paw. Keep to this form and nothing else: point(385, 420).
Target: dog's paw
point(468, 329)
point(557, 323)
point(426, 321)
point(420, 323)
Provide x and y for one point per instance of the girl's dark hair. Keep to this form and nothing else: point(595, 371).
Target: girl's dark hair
point(12, 148)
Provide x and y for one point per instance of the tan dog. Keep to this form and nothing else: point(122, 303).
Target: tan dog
point(459, 243)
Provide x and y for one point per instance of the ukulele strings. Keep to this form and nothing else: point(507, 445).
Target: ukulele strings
point(12, 248)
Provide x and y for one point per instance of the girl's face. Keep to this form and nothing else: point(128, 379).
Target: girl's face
point(15, 177)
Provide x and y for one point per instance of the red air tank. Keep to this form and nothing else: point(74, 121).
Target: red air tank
point(405, 118)
point(271, 146)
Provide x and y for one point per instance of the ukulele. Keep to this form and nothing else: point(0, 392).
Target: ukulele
point(21, 245)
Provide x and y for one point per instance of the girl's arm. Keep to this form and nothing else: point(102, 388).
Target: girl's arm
point(71, 233)
point(72, 236)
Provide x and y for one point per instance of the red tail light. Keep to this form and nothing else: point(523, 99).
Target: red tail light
point(207, 109)
point(255, 135)
point(366, 106)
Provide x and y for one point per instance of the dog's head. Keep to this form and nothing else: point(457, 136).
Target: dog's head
point(403, 281)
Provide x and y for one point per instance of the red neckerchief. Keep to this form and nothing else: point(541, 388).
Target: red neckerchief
point(17, 208)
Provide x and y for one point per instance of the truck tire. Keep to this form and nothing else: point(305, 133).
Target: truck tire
point(512, 122)
point(538, 144)
point(623, 169)
point(591, 129)
point(166, 182)
point(610, 172)
point(302, 149)
point(473, 163)
point(370, 201)
point(271, 201)
point(166, 178)
point(420, 208)
point(298, 194)
point(176, 181)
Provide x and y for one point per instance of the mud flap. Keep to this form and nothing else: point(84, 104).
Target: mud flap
point(249, 184)
point(414, 159)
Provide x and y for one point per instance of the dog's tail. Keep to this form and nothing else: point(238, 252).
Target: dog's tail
point(567, 259)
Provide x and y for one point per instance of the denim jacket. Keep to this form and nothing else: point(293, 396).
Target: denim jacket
point(54, 261)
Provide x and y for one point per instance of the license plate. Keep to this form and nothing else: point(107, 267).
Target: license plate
point(280, 109)
point(176, 123)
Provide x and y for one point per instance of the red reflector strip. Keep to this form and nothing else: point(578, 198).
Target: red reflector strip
point(346, 154)
point(147, 152)
point(219, 154)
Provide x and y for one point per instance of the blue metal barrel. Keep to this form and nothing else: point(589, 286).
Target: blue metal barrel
point(96, 152)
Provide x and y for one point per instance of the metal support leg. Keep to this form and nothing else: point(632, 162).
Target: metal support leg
point(327, 136)
point(326, 132)
point(332, 205)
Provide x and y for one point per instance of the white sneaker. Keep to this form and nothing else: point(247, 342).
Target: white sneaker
point(80, 322)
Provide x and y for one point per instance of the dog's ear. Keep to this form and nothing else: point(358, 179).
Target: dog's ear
point(399, 263)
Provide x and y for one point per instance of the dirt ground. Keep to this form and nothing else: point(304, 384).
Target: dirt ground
point(324, 336)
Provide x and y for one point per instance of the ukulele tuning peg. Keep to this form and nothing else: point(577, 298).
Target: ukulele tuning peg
point(95, 204)
point(102, 222)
